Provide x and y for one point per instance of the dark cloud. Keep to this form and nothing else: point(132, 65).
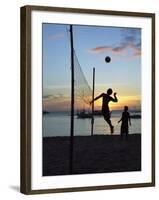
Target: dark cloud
point(50, 97)
point(47, 96)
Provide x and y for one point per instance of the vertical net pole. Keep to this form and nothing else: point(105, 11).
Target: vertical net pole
point(72, 104)
point(92, 122)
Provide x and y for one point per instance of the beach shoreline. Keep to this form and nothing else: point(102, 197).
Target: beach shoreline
point(92, 154)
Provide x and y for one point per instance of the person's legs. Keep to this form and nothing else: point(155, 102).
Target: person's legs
point(107, 119)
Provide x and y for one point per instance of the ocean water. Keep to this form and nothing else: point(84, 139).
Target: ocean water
point(58, 124)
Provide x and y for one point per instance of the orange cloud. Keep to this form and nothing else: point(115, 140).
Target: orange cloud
point(114, 50)
point(121, 50)
point(57, 105)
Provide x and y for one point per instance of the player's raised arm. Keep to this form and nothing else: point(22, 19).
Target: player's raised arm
point(115, 99)
point(98, 97)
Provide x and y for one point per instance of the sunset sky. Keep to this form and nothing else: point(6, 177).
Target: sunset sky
point(92, 44)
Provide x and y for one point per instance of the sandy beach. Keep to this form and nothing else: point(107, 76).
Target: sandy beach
point(92, 154)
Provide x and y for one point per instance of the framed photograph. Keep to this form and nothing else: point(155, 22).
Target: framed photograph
point(87, 99)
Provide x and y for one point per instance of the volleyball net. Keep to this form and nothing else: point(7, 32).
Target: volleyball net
point(82, 89)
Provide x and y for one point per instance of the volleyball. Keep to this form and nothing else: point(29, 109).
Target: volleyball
point(107, 59)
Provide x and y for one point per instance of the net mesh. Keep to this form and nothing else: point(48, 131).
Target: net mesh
point(83, 91)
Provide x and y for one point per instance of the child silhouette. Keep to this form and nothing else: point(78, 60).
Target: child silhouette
point(106, 98)
point(124, 125)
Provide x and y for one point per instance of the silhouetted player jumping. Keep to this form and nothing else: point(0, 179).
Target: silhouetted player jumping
point(105, 106)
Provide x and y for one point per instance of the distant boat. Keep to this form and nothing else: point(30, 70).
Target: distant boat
point(84, 114)
point(46, 112)
point(97, 112)
point(137, 116)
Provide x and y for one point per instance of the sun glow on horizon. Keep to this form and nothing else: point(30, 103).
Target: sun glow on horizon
point(131, 101)
point(63, 104)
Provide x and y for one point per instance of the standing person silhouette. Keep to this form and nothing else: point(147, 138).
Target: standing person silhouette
point(106, 98)
point(124, 125)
